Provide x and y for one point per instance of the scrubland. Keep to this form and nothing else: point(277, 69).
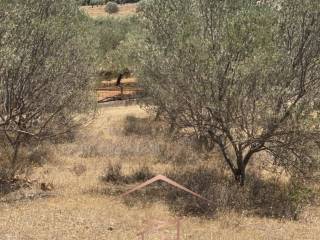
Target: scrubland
point(81, 204)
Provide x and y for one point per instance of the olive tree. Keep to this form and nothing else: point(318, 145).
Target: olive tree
point(114, 34)
point(46, 58)
point(242, 75)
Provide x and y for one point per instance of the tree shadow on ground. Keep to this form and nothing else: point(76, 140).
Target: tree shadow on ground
point(259, 197)
point(264, 198)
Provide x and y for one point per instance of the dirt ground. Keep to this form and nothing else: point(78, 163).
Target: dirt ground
point(109, 89)
point(79, 208)
point(98, 11)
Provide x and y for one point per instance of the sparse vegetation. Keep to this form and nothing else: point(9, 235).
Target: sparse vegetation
point(247, 213)
point(229, 91)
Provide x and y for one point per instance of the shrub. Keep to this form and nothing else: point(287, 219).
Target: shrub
point(62, 64)
point(113, 173)
point(91, 2)
point(85, 2)
point(140, 5)
point(140, 175)
point(111, 7)
point(126, 1)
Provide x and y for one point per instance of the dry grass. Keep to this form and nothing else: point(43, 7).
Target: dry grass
point(80, 209)
point(99, 11)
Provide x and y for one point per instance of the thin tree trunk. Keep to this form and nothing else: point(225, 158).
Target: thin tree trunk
point(14, 160)
point(157, 117)
point(15, 155)
point(240, 176)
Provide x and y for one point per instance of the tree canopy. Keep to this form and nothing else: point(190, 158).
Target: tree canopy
point(46, 57)
point(243, 75)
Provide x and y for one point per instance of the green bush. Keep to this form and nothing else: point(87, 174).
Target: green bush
point(126, 1)
point(114, 34)
point(96, 2)
point(141, 5)
point(84, 2)
point(63, 62)
point(112, 7)
point(92, 2)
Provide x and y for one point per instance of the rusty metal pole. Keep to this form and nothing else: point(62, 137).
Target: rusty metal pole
point(178, 229)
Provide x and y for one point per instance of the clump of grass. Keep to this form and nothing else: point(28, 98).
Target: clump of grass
point(88, 151)
point(115, 175)
point(79, 169)
point(40, 155)
point(141, 6)
point(136, 126)
point(141, 174)
point(177, 152)
point(112, 7)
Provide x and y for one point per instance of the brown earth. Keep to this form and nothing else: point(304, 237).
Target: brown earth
point(98, 11)
point(108, 89)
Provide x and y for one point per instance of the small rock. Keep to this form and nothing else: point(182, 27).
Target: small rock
point(46, 186)
point(110, 228)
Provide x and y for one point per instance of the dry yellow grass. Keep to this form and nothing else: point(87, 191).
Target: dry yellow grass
point(80, 211)
point(98, 11)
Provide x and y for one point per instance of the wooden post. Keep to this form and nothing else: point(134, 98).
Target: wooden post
point(178, 229)
point(121, 89)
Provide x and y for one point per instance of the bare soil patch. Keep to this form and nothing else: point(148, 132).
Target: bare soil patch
point(108, 91)
point(99, 11)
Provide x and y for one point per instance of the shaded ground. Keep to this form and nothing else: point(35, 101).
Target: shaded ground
point(80, 210)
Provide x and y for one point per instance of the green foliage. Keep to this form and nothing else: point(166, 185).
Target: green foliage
point(241, 74)
point(47, 54)
point(111, 7)
point(96, 2)
point(92, 2)
point(84, 2)
point(126, 1)
point(140, 5)
point(114, 35)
